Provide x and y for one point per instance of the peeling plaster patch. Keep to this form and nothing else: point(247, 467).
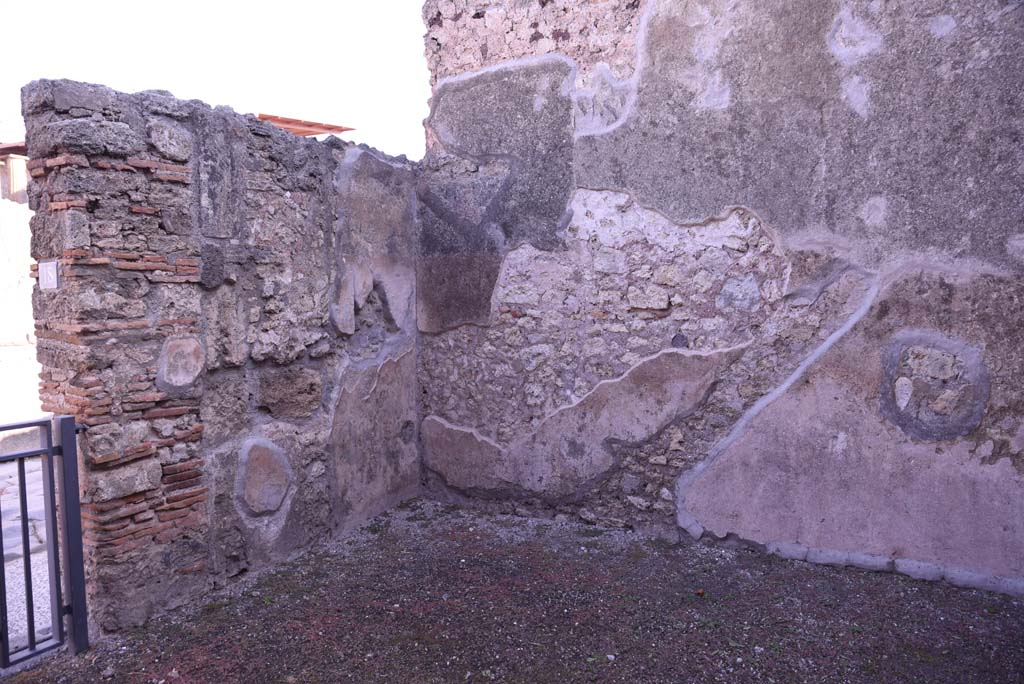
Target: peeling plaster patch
point(1015, 247)
point(604, 105)
point(625, 90)
point(874, 211)
point(856, 93)
point(903, 390)
point(711, 88)
point(373, 459)
point(851, 39)
point(570, 450)
point(941, 25)
point(716, 92)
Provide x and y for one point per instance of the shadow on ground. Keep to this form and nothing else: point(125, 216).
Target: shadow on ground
point(433, 594)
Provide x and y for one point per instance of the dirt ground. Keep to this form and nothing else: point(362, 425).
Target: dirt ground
point(434, 594)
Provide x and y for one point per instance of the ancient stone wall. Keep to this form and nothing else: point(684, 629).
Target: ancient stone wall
point(740, 269)
point(736, 270)
point(234, 323)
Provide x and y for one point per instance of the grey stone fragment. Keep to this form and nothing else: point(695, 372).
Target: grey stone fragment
point(689, 524)
point(828, 557)
point(172, 140)
point(787, 550)
point(264, 477)
point(180, 364)
point(85, 136)
point(868, 561)
point(211, 271)
point(68, 95)
point(918, 569)
point(631, 483)
point(131, 478)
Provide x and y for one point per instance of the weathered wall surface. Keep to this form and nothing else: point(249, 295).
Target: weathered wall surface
point(780, 245)
point(731, 268)
point(232, 300)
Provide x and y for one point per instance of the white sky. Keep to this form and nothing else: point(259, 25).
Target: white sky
point(357, 63)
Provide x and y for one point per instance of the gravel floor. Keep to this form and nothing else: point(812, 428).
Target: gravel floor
point(433, 594)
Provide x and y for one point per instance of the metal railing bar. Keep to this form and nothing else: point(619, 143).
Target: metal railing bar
point(25, 424)
point(30, 617)
point(71, 519)
point(24, 654)
point(5, 644)
point(52, 543)
point(24, 454)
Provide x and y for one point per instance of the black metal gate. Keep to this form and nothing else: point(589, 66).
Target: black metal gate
point(61, 511)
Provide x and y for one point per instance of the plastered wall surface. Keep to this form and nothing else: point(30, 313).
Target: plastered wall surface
point(732, 270)
point(818, 204)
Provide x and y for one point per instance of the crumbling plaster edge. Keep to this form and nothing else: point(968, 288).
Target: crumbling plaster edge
point(916, 569)
point(632, 83)
point(670, 351)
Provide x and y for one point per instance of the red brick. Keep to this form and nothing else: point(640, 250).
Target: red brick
point(184, 503)
point(176, 321)
point(181, 478)
point(142, 266)
point(66, 160)
point(167, 412)
point(164, 516)
point(171, 177)
point(146, 396)
point(190, 464)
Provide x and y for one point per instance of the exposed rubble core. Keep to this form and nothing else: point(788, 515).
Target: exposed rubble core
point(705, 268)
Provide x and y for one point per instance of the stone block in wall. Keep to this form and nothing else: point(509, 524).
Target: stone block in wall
point(264, 477)
point(290, 393)
point(180, 364)
point(116, 483)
